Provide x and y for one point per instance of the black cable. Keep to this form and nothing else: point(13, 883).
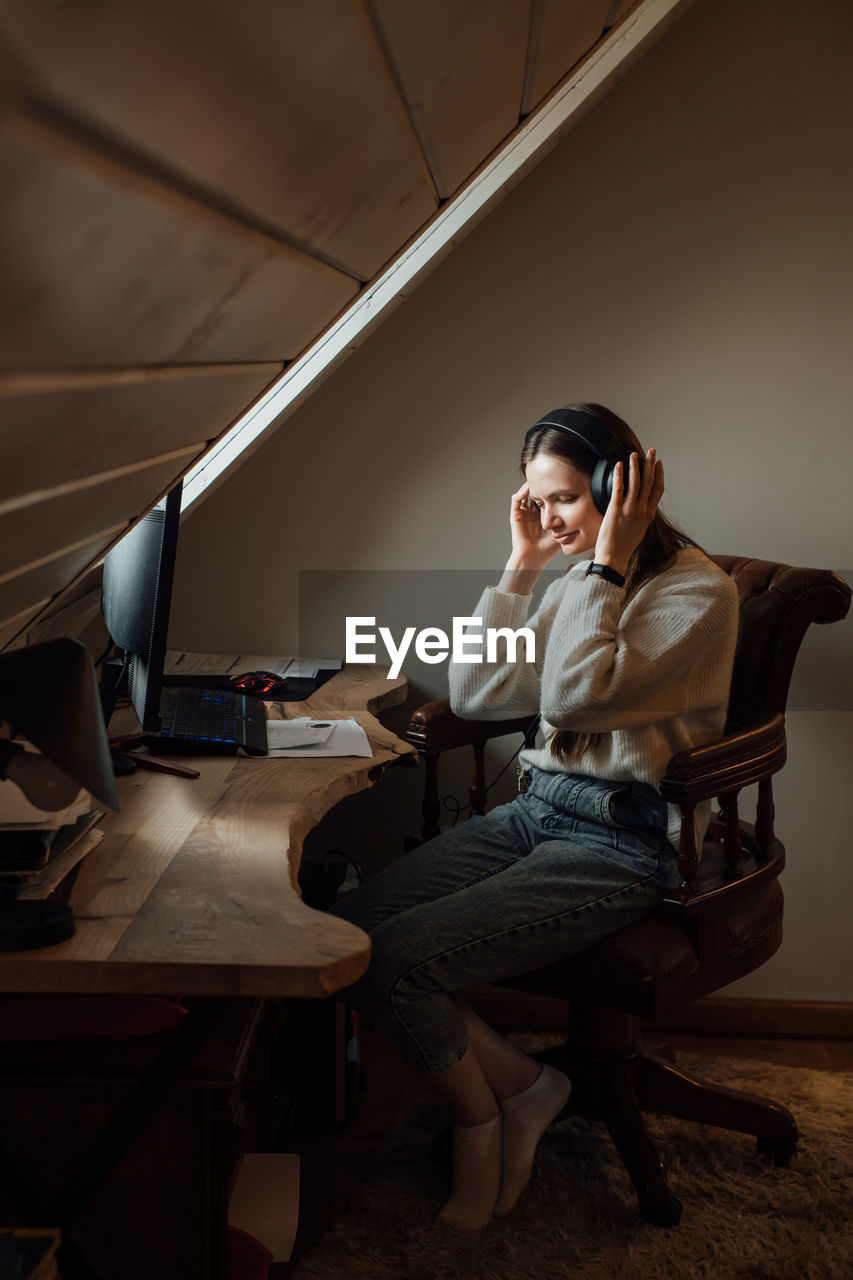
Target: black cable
point(106, 652)
point(110, 694)
point(452, 805)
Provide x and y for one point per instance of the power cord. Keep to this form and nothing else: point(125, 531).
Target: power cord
point(452, 805)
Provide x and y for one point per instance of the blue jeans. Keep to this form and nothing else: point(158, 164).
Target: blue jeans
point(568, 861)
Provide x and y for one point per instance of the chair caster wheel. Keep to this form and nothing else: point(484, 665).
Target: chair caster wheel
point(781, 1153)
point(669, 1216)
point(441, 1150)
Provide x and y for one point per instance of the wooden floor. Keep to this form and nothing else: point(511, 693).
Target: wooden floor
point(335, 1164)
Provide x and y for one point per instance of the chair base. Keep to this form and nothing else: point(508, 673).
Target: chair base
point(617, 1089)
point(615, 1080)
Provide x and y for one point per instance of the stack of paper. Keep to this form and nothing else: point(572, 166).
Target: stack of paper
point(17, 813)
point(180, 663)
point(33, 862)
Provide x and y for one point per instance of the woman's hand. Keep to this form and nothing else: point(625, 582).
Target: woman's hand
point(532, 546)
point(629, 513)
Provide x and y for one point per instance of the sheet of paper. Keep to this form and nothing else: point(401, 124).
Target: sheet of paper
point(307, 668)
point(16, 811)
point(347, 738)
point(263, 662)
point(57, 868)
point(299, 732)
point(180, 663)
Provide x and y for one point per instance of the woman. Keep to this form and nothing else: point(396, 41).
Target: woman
point(633, 663)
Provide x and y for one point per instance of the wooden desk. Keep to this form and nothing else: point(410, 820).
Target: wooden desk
point(192, 888)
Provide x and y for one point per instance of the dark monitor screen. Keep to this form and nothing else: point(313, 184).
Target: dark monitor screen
point(136, 596)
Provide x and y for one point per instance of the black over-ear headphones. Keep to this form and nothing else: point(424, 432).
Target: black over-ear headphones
point(593, 435)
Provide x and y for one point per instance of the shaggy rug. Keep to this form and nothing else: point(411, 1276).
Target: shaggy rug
point(743, 1218)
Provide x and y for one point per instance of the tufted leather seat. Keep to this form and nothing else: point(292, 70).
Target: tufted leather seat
point(650, 969)
point(725, 919)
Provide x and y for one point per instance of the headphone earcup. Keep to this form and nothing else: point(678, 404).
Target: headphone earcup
point(601, 484)
point(601, 481)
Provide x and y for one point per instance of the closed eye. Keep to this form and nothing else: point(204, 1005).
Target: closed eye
point(561, 497)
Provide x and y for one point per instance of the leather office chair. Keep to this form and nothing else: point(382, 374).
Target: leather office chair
point(725, 919)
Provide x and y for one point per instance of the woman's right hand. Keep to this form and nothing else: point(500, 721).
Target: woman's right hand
point(532, 546)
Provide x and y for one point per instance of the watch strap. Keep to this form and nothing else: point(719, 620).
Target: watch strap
point(607, 573)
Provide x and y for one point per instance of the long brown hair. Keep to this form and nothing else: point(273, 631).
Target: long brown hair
point(660, 543)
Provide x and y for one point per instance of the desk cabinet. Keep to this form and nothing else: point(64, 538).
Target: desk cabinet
point(163, 1211)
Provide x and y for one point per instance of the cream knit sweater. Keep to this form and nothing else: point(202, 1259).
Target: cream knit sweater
point(651, 676)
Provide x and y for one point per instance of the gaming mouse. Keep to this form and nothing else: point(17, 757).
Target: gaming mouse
point(259, 683)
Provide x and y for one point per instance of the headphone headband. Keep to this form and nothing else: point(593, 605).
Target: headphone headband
point(589, 430)
point(594, 436)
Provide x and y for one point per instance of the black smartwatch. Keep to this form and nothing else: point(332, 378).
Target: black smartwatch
point(609, 575)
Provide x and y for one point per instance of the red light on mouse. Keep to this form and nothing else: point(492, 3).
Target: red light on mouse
point(258, 682)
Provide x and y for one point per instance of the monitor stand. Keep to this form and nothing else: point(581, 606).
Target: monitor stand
point(124, 750)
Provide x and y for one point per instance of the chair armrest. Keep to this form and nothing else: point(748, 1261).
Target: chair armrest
point(721, 769)
point(734, 761)
point(434, 728)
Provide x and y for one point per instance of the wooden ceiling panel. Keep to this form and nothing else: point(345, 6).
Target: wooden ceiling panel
point(11, 629)
point(55, 430)
point(49, 528)
point(200, 186)
point(102, 266)
point(286, 109)
point(274, 314)
point(27, 590)
point(561, 34)
point(620, 9)
point(461, 71)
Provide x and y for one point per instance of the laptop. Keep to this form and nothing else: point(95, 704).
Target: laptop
point(211, 721)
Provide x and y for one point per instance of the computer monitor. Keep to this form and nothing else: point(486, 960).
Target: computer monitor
point(135, 597)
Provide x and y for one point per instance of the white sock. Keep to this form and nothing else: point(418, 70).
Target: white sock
point(476, 1175)
point(526, 1116)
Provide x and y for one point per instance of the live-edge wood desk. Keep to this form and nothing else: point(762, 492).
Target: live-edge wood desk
point(193, 887)
point(192, 890)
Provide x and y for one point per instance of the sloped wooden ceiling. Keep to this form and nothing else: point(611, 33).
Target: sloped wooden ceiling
point(192, 191)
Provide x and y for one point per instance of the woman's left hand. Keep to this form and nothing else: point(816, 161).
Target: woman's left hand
point(629, 513)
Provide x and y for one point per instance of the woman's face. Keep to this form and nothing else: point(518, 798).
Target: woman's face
point(563, 498)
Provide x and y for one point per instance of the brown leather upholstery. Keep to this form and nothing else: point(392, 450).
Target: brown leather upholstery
point(651, 968)
point(725, 920)
point(778, 603)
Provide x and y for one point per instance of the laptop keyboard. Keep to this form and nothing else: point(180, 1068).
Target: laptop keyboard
point(206, 716)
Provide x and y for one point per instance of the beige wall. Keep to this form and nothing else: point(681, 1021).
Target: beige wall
point(685, 256)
